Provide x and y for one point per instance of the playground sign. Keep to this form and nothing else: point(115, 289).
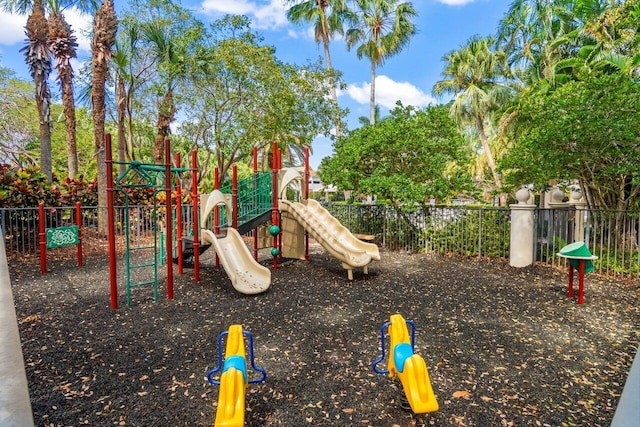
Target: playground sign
point(58, 237)
point(62, 236)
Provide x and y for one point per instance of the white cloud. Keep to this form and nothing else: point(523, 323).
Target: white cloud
point(455, 2)
point(302, 34)
point(292, 34)
point(264, 14)
point(388, 92)
point(81, 24)
point(12, 28)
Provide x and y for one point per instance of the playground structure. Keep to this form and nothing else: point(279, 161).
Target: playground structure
point(406, 365)
point(234, 377)
point(257, 204)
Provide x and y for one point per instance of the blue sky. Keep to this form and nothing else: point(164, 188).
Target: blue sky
point(443, 25)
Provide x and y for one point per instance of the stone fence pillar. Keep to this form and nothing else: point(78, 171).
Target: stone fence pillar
point(575, 199)
point(522, 230)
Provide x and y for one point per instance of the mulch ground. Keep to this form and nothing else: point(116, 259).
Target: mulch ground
point(503, 346)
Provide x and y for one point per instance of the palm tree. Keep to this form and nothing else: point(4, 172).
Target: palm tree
point(63, 45)
point(328, 18)
point(105, 25)
point(474, 75)
point(537, 35)
point(384, 29)
point(170, 55)
point(57, 33)
point(364, 121)
point(120, 60)
point(38, 58)
point(616, 37)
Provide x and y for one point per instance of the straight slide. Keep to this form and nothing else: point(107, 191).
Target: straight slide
point(246, 274)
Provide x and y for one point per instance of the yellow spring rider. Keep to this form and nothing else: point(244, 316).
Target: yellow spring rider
point(233, 380)
point(408, 366)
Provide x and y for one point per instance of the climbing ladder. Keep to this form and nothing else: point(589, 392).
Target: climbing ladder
point(140, 253)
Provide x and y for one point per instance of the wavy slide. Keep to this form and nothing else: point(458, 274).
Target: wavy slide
point(332, 235)
point(410, 368)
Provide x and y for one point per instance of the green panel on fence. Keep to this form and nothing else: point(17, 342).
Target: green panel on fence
point(62, 236)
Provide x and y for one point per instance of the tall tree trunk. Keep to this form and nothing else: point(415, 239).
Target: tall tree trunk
point(334, 93)
point(166, 113)
point(70, 123)
point(63, 45)
point(121, 100)
point(129, 148)
point(490, 160)
point(38, 58)
point(43, 105)
point(105, 25)
point(372, 97)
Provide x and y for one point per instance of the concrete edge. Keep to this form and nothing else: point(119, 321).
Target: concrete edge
point(628, 411)
point(15, 406)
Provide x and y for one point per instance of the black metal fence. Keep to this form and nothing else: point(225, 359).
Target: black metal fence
point(469, 231)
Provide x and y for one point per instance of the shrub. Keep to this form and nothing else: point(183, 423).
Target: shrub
point(27, 187)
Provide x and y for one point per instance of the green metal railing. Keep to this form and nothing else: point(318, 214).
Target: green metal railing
point(255, 196)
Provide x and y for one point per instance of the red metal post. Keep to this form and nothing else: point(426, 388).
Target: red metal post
point(274, 210)
point(255, 190)
point(234, 196)
point(79, 224)
point(216, 212)
point(196, 223)
point(168, 190)
point(279, 236)
point(111, 223)
point(43, 239)
point(306, 196)
point(581, 282)
point(178, 217)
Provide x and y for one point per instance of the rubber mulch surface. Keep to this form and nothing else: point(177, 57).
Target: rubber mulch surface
point(504, 346)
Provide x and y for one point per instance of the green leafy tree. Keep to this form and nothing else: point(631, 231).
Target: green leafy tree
point(47, 37)
point(584, 131)
point(18, 130)
point(408, 158)
point(241, 96)
point(19, 144)
point(544, 39)
point(476, 75)
point(615, 37)
point(172, 38)
point(384, 28)
point(529, 34)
